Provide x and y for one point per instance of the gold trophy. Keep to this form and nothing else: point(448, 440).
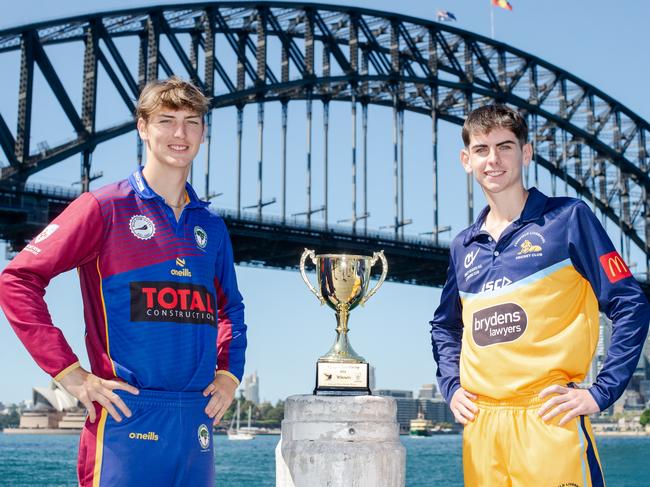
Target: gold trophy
point(342, 284)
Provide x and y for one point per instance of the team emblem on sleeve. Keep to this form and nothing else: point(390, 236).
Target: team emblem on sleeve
point(47, 231)
point(142, 227)
point(614, 267)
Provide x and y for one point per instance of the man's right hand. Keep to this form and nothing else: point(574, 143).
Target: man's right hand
point(462, 405)
point(89, 388)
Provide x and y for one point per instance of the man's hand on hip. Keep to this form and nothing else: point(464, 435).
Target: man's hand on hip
point(463, 407)
point(89, 388)
point(575, 402)
point(222, 389)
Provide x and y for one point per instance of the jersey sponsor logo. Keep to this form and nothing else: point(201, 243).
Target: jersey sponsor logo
point(496, 284)
point(499, 324)
point(614, 267)
point(142, 227)
point(530, 244)
point(33, 249)
point(470, 257)
point(176, 302)
point(138, 180)
point(150, 436)
point(182, 272)
point(204, 437)
point(201, 237)
point(47, 232)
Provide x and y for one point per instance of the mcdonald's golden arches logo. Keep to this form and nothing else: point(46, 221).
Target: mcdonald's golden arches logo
point(614, 267)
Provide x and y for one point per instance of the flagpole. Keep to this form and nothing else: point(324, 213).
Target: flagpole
point(492, 20)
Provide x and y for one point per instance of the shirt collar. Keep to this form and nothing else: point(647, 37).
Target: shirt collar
point(144, 191)
point(533, 210)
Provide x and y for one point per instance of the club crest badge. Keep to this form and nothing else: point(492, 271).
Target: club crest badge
point(204, 437)
point(142, 227)
point(201, 237)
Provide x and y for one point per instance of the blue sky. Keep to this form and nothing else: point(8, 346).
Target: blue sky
point(288, 329)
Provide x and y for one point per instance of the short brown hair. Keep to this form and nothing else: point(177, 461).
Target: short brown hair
point(489, 117)
point(173, 93)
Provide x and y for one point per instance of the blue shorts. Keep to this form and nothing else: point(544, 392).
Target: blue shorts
point(166, 442)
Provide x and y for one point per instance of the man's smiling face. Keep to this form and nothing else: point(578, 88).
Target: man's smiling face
point(173, 137)
point(496, 159)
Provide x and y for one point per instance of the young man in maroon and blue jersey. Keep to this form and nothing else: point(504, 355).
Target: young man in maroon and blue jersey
point(165, 330)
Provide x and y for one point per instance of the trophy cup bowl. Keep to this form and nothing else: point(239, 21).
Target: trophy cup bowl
point(342, 284)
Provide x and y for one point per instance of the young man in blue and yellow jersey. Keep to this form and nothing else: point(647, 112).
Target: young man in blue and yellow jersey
point(165, 330)
point(518, 321)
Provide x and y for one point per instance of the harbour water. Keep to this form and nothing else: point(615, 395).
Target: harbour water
point(34, 460)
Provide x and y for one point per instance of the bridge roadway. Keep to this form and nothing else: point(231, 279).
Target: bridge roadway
point(265, 242)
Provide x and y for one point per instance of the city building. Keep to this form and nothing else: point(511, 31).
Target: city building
point(428, 391)
point(371, 379)
point(437, 411)
point(407, 406)
point(432, 406)
point(53, 408)
point(252, 388)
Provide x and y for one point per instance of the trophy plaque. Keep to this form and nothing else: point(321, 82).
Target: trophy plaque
point(342, 284)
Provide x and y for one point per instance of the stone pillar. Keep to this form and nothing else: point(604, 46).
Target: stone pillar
point(340, 441)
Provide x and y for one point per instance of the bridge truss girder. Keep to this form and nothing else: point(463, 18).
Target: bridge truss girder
point(583, 137)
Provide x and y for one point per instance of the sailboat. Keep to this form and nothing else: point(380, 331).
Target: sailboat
point(236, 433)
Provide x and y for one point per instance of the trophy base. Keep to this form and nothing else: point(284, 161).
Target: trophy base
point(342, 379)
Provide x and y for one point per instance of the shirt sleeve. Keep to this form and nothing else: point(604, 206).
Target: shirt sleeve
point(71, 240)
point(619, 296)
point(447, 334)
point(231, 339)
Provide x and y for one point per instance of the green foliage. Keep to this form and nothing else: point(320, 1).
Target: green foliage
point(645, 418)
point(262, 415)
point(11, 420)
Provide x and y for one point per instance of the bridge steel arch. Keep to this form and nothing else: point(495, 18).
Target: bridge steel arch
point(584, 138)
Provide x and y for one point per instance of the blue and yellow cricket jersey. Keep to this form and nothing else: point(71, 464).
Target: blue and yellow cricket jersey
point(520, 314)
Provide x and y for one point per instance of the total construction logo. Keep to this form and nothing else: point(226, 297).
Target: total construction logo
point(530, 244)
point(177, 302)
point(499, 324)
point(204, 437)
point(183, 271)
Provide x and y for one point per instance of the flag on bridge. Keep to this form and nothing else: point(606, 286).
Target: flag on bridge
point(503, 4)
point(444, 16)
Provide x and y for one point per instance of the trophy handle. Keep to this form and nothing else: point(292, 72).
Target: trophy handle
point(384, 271)
point(312, 255)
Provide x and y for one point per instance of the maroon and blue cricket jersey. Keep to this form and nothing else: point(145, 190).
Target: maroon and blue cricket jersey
point(161, 305)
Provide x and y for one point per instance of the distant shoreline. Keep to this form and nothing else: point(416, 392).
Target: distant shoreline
point(51, 431)
point(72, 431)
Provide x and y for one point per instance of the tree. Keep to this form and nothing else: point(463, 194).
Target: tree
point(645, 418)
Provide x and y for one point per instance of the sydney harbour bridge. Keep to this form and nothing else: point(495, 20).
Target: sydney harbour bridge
point(258, 54)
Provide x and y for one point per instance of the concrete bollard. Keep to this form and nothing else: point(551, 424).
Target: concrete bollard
point(340, 441)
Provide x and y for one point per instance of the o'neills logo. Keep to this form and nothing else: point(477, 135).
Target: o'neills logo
point(172, 301)
point(499, 324)
point(150, 436)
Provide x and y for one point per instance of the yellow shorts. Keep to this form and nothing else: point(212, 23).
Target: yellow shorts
point(508, 444)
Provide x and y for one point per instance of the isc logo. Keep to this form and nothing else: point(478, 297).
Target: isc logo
point(496, 284)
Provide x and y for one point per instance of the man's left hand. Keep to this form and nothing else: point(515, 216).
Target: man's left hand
point(222, 389)
point(575, 402)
